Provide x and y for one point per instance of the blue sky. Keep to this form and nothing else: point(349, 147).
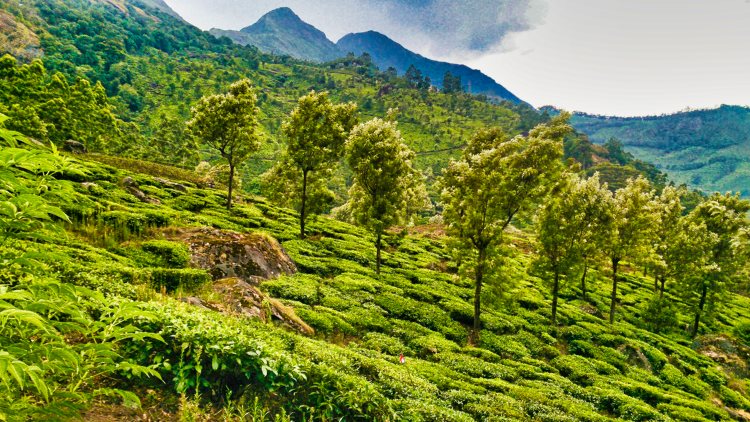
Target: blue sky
point(616, 57)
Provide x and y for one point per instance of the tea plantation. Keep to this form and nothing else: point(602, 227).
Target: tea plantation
point(184, 361)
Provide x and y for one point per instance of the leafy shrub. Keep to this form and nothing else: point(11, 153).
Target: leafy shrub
point(505, 346)
point(659, 314)
point(671, 375)
point(188, 279)
point(192, 203)
point(167, 254)
point(576, 369)
point(742, 332)
point(581, 348)
point(326, 321)
point(300, 287)
point(575, 332)
point(432, 344)
point(713, 377)
point(383, 343)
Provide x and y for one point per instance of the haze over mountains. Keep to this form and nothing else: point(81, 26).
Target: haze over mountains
point(282, 32)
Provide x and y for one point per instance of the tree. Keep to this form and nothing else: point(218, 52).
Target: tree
point(495, 179)
point(172, 143)
point(616, 152)
point(725, 220)
point(628, 235)
point(566, 227)
point(315, 135)
point(228, 123)
point(451, 83)
point(670, 246)
point(386, 190)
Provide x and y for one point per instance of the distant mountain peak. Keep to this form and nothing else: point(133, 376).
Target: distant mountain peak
point(281, 15)
point(281, 31)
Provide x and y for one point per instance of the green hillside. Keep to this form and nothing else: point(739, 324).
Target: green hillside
point(125, 250)
point(131, 290)
point(707, 149)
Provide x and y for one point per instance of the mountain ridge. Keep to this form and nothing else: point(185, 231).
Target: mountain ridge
point(282, 32)
point(707, 149)
point(387, 53)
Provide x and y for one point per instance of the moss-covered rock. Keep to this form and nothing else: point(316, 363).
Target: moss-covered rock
point(229, 254)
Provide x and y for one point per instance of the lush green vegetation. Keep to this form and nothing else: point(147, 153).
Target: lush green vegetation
point(632, 306)
point(522, 368)
point(705, 149)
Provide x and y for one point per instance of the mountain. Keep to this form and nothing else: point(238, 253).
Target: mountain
point(388, 53)
point(706, 149)
point(282, 32)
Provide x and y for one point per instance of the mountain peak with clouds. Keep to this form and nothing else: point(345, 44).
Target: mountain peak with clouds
point(282, 32)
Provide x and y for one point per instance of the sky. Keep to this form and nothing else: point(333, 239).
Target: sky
point(611, 57)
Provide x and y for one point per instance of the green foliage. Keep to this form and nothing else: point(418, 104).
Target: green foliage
point(349, 369)
point(187, 279)
point(386, 190)
point(568, 228)
point(659, 315)
point(228, 123)
point(482, 193)
point(722, 218)
point(48, 108)
point(315, 133)
point(702, 148)
point(629, 232)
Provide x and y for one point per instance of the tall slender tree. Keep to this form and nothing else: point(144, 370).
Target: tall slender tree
point(495, 179)
point(315, 134)
point(386, 190)
point(566, 225)
point(228, 123)
point(629, 234)
point(725, 220)
point(670, 247)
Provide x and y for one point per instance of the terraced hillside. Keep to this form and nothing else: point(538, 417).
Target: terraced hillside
point(324, 342)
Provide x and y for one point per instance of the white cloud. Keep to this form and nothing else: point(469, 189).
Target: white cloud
point(632, 57)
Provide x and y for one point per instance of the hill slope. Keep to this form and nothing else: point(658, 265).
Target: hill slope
point(707, 149)
point(120, 296)
point(387, 53)
point(282, 32)
point(128, 249)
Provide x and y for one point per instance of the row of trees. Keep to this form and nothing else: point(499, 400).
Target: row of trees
point(579, 221)
point(700, 251)
point(385, 190)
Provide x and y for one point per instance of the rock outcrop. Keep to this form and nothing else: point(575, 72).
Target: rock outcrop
point(226, 254)
point(238, 263)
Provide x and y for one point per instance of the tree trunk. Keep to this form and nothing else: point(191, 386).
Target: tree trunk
point(701, 304)
point(555, 290)
point(231, 185)
point(583, 279)
point(302, 213)
point(378, 247)
point(656, 281)
point(661, 289)
point(479, 274)
point(613, 303)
